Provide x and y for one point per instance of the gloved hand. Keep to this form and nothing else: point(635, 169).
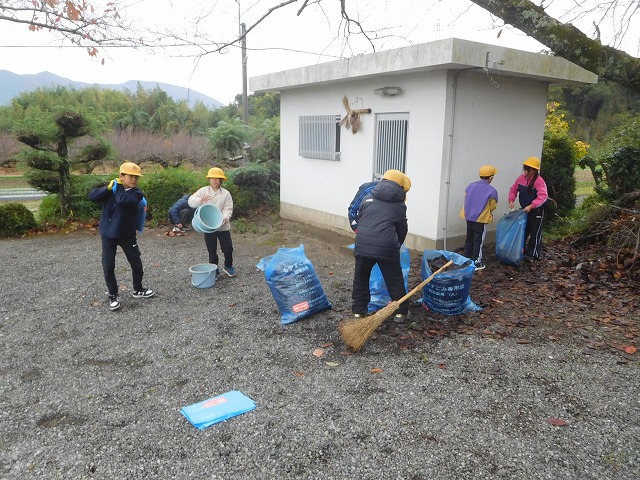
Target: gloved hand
point(114, 183)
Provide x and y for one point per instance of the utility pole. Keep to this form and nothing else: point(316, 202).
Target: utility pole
point(245, 103)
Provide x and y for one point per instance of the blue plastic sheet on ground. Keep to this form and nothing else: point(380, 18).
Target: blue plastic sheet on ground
point(448, 292)
point(217, 409)
point(510, 237)
point(294, 284)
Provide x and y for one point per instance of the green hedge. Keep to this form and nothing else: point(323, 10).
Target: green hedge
point(15, 219)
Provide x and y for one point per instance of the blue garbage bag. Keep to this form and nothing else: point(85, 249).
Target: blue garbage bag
point(380, 297)
point(448, 292)
point(294, 284)
point(510, 237)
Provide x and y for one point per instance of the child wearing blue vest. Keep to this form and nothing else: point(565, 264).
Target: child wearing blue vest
point(123, 212)
point(480, 200)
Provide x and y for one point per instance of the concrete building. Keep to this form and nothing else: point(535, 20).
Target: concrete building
point(436, 111)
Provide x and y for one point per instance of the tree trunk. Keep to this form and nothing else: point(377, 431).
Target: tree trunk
point(567, 41)
point(64, 174)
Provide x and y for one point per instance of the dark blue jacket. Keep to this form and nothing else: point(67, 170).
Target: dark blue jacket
point(382, 222)
point(176, 208)
point(119, 210)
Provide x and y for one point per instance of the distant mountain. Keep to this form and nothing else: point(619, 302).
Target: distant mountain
point(12, 84)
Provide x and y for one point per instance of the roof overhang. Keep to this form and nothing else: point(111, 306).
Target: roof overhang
point(447, 54)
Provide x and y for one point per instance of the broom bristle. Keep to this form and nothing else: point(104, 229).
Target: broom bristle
point(356, 332)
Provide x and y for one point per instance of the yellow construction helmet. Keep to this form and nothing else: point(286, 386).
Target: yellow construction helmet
point(487, 171)
point(130, 168)
point(533, 162)
point(398, 177)
point(216, 172)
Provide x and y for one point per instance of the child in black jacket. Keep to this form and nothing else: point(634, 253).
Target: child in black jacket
point(123, 211)
point(382, 228)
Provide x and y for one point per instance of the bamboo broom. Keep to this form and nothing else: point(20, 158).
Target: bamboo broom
point(355, 332)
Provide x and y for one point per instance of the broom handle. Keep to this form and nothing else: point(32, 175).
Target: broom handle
point(413, 292)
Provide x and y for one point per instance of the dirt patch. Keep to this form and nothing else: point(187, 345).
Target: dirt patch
point(568, 297)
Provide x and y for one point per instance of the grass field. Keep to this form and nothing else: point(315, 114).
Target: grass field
point(13, 181)
point(18, 181)
point(584, 182)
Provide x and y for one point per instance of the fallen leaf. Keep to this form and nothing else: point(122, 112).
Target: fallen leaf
point(318, 352)
point(557, 422)
point(332, 364)
point(442, 366)
point(298, 374)
point(630, 350)
point(327, 345)
point(523, 342)
point(376, 370)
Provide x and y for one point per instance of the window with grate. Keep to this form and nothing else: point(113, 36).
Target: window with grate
point(319, 137)
point(390, 143)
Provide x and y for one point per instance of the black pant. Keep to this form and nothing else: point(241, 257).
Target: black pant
point(393, 279)
point(186, 216)
point(226, 245)
point(475, 239)
point(533, 232)
point(130, 248)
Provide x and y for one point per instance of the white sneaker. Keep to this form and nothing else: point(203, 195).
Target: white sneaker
point(144, 293)
point(114, 302)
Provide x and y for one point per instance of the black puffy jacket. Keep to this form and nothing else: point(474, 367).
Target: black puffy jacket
point(382, 222)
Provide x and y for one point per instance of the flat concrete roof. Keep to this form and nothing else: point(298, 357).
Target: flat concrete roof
point(447, 54)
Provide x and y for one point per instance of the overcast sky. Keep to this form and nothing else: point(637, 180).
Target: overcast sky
point(282, 41)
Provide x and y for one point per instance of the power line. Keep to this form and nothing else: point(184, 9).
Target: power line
point(162, 47)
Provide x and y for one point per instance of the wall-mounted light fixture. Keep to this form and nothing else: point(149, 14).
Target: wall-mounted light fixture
point(388, 91)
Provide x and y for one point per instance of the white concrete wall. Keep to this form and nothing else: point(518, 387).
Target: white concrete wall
point(496, 121)
point(329, 185)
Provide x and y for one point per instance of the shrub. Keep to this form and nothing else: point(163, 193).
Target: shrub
point(81, 208)
point(15, 219)
point(622, 173)
point(559, 165)
point(50, 210)
point(254, 185)
point(244, 199)
point(165, 187)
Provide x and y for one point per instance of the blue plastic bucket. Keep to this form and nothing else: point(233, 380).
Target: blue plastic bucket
point(207, 219)
point(204, 275)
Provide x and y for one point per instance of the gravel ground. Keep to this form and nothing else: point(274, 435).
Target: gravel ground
point(89, 393)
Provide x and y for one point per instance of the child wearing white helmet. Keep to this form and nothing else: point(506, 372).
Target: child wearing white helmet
point(215, 194)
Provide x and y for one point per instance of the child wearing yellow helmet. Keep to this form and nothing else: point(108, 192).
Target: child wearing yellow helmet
point(121, 203)
point(531, 190)
point(382, 228)
point(215, 194)
point(480, 200)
